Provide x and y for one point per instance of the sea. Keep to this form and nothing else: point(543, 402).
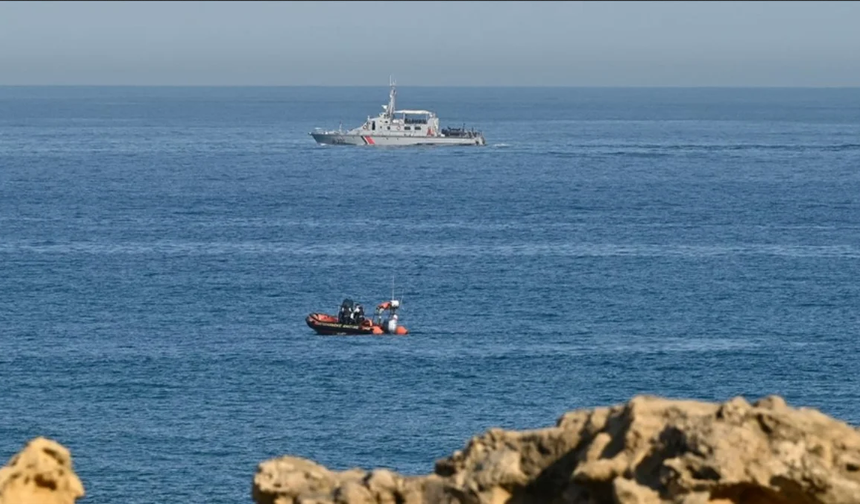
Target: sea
point(160, 248)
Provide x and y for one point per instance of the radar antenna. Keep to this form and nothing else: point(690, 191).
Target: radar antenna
point(389, 112)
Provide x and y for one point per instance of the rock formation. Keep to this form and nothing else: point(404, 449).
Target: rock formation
point(648, 451)
point(41, 473)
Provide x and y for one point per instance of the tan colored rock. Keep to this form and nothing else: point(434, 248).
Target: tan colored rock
point(353, 492)
point(649, 451)
point(383, 486)
point(626, 491)
point(287, 479)
point(41, 473)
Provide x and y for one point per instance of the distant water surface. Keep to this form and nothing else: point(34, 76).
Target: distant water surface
point(160, 248)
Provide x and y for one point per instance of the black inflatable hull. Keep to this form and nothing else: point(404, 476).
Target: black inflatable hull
point(327, 325)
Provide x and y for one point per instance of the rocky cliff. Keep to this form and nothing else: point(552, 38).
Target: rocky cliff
point(648, 451)
point(41, 473)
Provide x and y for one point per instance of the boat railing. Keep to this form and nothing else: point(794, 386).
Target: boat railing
point(460, 132)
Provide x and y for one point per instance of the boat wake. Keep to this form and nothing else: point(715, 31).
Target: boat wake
point(500, 145)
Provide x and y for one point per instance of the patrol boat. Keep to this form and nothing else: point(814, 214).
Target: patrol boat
point(394, 127)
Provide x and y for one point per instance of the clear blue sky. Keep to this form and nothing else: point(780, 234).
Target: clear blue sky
point(432, 43)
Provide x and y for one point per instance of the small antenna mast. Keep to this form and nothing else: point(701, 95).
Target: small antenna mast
point(392, 106)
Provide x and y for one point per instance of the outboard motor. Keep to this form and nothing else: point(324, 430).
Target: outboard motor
point(391, 324)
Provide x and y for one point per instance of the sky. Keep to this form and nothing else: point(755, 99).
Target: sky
point(618, 44)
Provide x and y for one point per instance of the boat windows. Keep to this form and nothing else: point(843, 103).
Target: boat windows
point(414, 116)
point(373, 126)
point(417, 128)
point(407, 128)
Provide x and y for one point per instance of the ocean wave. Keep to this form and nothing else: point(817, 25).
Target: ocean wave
point(349, 248)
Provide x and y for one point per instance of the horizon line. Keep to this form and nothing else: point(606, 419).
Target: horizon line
point(522, 86)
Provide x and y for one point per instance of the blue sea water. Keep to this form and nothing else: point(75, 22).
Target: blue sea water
point(160, 248)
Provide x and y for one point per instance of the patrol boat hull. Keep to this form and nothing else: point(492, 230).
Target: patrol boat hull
point(327, 138)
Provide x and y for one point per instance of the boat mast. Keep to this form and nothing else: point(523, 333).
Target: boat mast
point(391, 95)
